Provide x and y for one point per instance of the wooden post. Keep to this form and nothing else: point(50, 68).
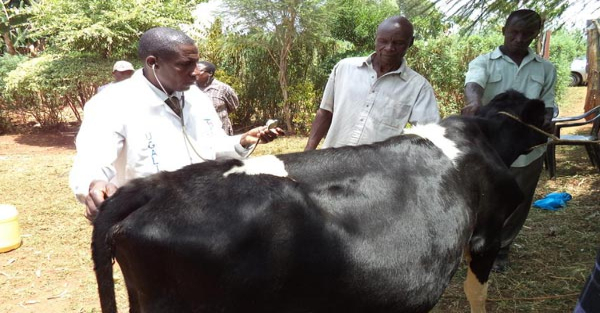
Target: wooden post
point(592, 98)
point(546, 54)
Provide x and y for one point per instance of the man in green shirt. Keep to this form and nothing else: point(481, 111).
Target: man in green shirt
point(514, 65)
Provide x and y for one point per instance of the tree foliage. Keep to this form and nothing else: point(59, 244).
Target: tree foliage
point(277, 54)
point(565, 45)
point(8, 63)
point(480, 14)
point(107, 28)
point(444, 61)
point(14, 26)
point(429, 25)
point(40, 88)
point(276, 28)
point(356, 21)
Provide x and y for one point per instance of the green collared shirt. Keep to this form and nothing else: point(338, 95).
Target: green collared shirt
point(496, 73)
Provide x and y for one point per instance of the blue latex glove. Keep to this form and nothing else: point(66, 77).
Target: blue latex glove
point(553, 201)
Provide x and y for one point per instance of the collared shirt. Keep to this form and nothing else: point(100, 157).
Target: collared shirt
point(368, 109)
point(496, 73)
point(104, 86)
point(130, 132)
point(224, 100)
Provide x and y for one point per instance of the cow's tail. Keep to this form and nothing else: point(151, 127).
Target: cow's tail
point(115, 209)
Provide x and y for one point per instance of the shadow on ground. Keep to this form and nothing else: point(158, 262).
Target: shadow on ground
point(60, 137)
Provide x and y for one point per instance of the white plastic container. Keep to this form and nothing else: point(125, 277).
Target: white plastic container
point(10, 233)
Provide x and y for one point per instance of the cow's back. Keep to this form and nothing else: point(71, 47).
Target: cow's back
point(375, 228)
point(405, 207)
point(282, 245)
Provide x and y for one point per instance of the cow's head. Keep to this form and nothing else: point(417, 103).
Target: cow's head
point(513, 136)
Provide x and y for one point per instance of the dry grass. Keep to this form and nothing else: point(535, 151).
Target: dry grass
point(52, 271)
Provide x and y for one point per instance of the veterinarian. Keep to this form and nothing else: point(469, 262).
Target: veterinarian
point(157, 120)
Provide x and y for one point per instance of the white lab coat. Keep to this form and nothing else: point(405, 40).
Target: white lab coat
point(128, 132)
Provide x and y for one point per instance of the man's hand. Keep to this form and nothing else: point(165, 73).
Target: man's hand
point(548, 126)
point(470, 110)
point(98, 192)
point(263, 133)
point(473, 95)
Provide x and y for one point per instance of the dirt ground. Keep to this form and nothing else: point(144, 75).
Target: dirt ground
point(44, 274)
point(52, 270)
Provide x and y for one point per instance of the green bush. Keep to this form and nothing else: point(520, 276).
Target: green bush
point(444, 62)
point(564, 47)
point(43, 87)
point(8, 63)
point(108, 29)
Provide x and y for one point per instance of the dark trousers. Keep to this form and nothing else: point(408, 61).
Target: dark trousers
point(589, 300)
point(527, 178)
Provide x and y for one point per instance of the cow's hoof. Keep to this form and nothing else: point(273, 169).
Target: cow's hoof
point(501, 264)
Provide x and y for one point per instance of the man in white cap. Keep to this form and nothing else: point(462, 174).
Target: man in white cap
point(121, 71)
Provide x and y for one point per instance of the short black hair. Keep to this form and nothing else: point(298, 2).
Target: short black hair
point(209, 67)
point(162, 42)
point(399, 20)
point(528, 16)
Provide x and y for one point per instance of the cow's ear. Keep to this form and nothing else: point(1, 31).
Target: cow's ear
point(533, 112)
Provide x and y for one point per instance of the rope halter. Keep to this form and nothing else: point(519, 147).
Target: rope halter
point(547, 134)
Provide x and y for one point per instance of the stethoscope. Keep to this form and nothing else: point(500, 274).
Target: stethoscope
point(182, 102)
point(188, 140)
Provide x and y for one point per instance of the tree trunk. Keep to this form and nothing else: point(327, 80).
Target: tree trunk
point(592, 98)
point(283, 84)
point(10, 48)
point(288, 38)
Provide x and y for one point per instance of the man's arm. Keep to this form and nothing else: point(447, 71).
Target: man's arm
point(473, 95)
point(319, 129)
point(547, 95)
point(475, 82)
point(98, 145)
point(425, 109)
point(231, 100)
point(549, 88)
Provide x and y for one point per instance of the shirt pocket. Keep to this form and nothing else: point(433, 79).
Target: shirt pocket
point(494, 79)
point(205, 127)
point(395, 113)
point(535, 86)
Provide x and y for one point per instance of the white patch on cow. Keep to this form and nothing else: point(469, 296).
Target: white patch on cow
point(437, 135)
point(269, 164)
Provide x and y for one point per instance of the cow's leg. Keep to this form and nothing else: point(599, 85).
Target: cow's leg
point(134, 305)
point(476, 284)
point(476, 292)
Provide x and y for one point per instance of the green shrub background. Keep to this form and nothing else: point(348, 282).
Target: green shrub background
point(45, 87)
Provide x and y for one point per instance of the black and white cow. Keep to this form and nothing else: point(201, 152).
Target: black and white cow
point(373, 228)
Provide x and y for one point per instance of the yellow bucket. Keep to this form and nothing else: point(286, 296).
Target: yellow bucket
point(10, 234)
